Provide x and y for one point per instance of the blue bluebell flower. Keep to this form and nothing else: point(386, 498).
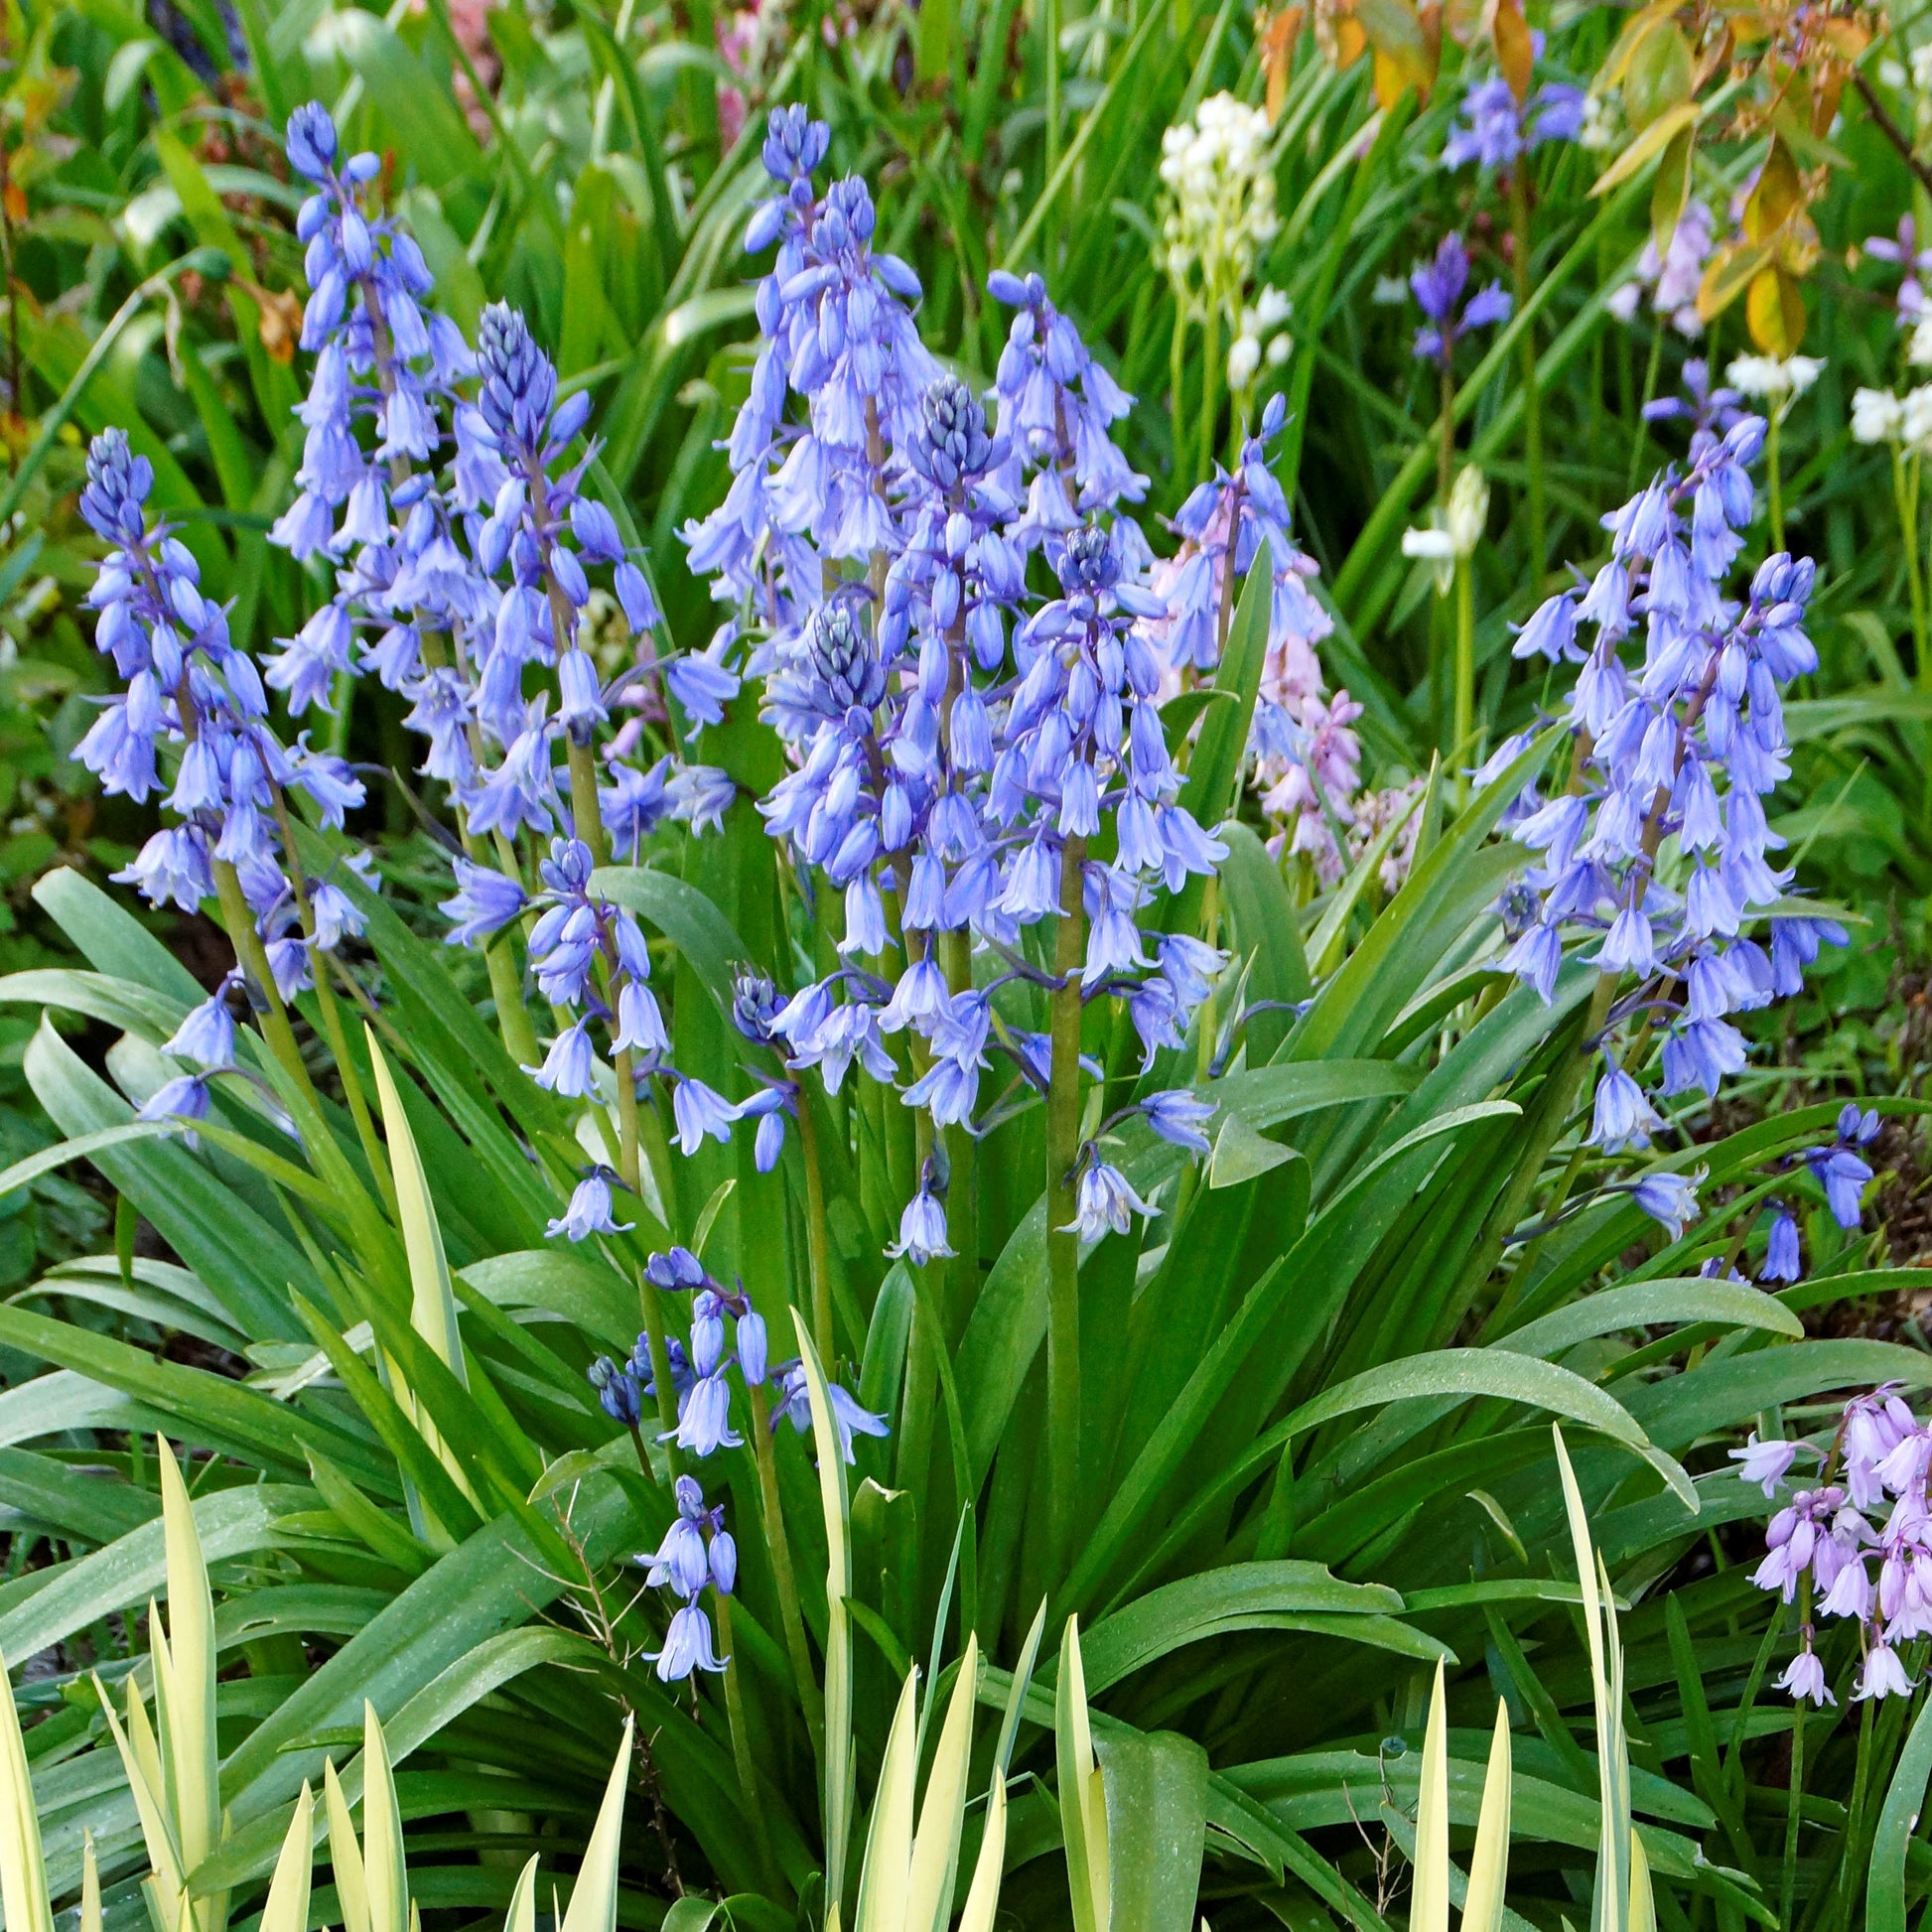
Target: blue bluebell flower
point(1669, 1198)
point(589, 1212)
point(1106, 1199)
point(1178, 1116)
point(847, 1417)
point(1781, 1258)
point(1839, 1167)
point(206, 1036)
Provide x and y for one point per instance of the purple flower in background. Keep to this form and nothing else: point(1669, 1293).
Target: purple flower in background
point(1493, 130)
point(1438, 285)
point(1901, 249)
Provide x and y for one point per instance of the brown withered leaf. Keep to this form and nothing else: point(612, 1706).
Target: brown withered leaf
point(1278, 33)
point(1509, 35)
point(279, 321)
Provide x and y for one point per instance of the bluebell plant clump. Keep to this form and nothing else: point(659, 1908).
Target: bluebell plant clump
point(946, 607)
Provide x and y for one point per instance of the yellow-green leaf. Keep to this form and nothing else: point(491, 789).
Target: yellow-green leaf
point(1651, 142)
point(287, 1909)
point(1429, 1896)
point(1482, 1908)
point(594, 1898)
point(23, 1869)
point(889, 1838)
point(943, 1812)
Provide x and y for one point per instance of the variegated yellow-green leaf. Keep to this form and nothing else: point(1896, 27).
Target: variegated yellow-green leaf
point(1482, 1908)
point(983, 1895)
point(522, 1914)
point(90, 1919)
point(345, 1853)
point(1083, 1804)
point(141, 1762)
point(1644, 1900)
point(594, 1898)
point(943, 1812)
point(196, 1759)
point(384, 1875)
point(23, 1869)
point(1429, 1896)
point(432, 1300)
point(889, 1838)
point(836, 1792)
point(287, 1909)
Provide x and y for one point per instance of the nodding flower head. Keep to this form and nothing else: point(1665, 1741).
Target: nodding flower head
point(840, 658)
point(116, 493)
point(519, 382)
point(1089, 560)
point(952, 443)
point(755, 1003)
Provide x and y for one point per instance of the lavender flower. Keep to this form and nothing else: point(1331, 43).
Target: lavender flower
point(1438, 285)
point(696, 1551)
point(1493, 131)
point(1838, 1166)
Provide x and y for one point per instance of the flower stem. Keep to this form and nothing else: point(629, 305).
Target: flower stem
point(584, 809)
point(810, 1697)
point(1519, 209)
point(1774, 477)
point(507, 994)
point(748, 1777)
point(1050, 27)
point(1464, 723)
point(1062, 1242)
point(651, 1306)
point(1638, 438)
point(331, 1019)
point(1906, 481)
point(1446, 446)
point(818, 1247)
point(962, 1207)
point(254, 957)
point(1788, 1878)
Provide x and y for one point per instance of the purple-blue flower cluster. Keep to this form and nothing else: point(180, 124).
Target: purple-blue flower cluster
point(1439, 286)
point(963, 749)
point(191, 694)
point(1494, 130)
point(1658, 853)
